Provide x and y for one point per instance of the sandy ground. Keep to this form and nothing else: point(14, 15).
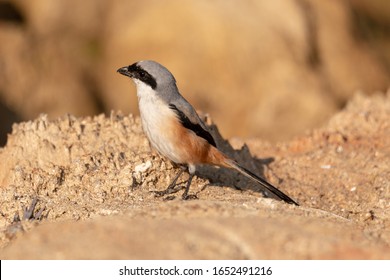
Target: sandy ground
point(93, 180)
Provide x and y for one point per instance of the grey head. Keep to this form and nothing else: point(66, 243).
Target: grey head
point(163, 84)
point(150, 73)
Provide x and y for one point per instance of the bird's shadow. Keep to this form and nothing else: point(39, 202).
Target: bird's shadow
point(229, 177)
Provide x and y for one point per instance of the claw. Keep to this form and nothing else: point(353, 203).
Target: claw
point(28, 213)
point(189, 197)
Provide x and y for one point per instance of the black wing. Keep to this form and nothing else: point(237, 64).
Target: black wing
point(197, 128)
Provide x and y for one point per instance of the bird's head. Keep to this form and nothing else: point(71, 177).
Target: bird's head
point(149, 73)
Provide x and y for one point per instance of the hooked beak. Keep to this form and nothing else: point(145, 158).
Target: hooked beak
point(125, 71)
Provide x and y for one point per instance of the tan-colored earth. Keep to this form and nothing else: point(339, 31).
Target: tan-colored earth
point(93, 178)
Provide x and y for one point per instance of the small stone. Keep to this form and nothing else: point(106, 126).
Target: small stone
point(141, 168)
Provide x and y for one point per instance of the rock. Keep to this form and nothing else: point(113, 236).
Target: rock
point(282, 66)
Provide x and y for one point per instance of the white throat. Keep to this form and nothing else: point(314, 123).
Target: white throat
point(155, 116)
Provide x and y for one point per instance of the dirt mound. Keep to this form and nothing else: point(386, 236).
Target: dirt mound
point(94, 177)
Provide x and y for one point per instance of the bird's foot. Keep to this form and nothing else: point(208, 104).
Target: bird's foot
point(28, 212)
point(169, 190)
point(189, 196)
point(174, 188)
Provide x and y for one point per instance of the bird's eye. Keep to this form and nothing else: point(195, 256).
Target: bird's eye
point(142, 74)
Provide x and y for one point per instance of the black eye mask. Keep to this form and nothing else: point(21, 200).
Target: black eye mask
point(137, 72)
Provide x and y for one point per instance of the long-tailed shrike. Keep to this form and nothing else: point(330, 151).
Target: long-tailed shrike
point(174, 128)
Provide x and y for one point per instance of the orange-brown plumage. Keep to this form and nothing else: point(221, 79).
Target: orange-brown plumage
point(194, 149)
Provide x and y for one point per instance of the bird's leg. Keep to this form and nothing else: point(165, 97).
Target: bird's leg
point(185, 195)
point(171, 188)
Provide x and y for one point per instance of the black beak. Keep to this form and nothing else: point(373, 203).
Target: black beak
point(124, 71)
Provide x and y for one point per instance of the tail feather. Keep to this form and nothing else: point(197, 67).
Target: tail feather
point(260, 181)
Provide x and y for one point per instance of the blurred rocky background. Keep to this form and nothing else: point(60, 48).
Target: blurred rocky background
point(260, 68)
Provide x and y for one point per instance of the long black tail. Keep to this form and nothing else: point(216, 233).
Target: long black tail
point(261, 181)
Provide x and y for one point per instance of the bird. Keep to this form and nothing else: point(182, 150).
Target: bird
point(176, 131)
